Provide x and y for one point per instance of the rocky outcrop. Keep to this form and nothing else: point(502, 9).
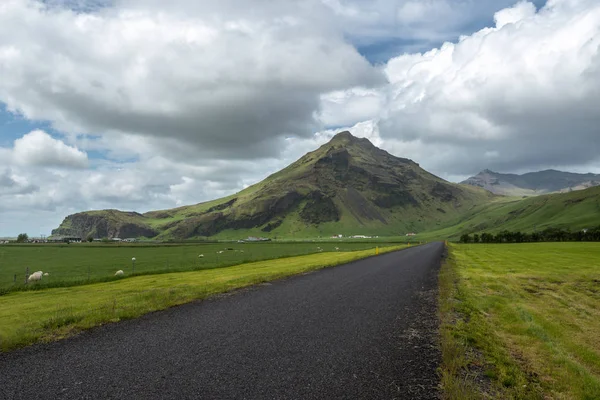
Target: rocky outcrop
point(105, 224)
point(319, 209)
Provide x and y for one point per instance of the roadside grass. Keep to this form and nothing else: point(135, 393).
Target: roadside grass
point(79, 264)
point(521, 321)
point(50, 314)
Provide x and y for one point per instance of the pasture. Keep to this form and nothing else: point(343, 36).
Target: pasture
point(521, 321)
point(54, 313)
point(82, 263)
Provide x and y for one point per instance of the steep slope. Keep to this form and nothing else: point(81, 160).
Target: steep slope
point(532, 183)
point(574, 210)
point(347, 186)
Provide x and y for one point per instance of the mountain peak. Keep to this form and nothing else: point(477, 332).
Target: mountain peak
point(357, 147)
point(345, 140)
point(346, 137)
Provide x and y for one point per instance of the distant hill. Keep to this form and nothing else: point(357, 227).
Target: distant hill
point(575, 210)
point(532, 183)
point(347, 186)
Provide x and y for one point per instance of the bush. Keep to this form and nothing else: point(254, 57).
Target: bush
point(465, 238)
point(547, 235)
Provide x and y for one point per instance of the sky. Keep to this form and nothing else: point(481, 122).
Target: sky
point(146, 104)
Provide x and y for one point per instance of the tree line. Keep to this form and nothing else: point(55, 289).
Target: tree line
point(547, 235)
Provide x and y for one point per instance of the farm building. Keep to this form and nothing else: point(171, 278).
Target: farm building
point(257, 239)
point(64, 239)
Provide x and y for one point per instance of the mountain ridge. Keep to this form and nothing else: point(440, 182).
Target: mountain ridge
point(347, 185)
point(532, 183)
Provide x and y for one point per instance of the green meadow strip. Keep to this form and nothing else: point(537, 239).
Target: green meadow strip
point(521, 321)
point(83, 264)
point(51, 314)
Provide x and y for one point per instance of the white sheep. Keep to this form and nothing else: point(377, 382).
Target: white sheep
point(220, 252)
point(36, 276)
point(337, 248)
point(46, 274)
point(201, 256)
point(119, 273)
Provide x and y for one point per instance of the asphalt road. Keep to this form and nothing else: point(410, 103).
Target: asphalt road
point(365, 330)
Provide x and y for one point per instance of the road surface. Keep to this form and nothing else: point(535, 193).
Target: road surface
point(365, 330)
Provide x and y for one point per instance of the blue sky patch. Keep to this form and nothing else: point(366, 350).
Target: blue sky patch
point(13, 126)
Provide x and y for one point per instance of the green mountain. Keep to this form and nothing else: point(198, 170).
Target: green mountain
point(532, 183)
point(347, 186)
point(574, 210)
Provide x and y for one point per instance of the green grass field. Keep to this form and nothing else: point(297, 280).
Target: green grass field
point(49, 314)
point(521, 321)
point(77, 264)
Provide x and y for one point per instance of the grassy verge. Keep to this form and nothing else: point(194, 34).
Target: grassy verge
point(521, 321)
point(50, 314)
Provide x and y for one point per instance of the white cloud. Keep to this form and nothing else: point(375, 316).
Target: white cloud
point(11, 184)
point(404, 24)
point(38, 148)
point(42, 195)
point(519, 12)
point(412, 12)
point(514, 97)
point(523, 91)
point(346, 108)
point(223, 79)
